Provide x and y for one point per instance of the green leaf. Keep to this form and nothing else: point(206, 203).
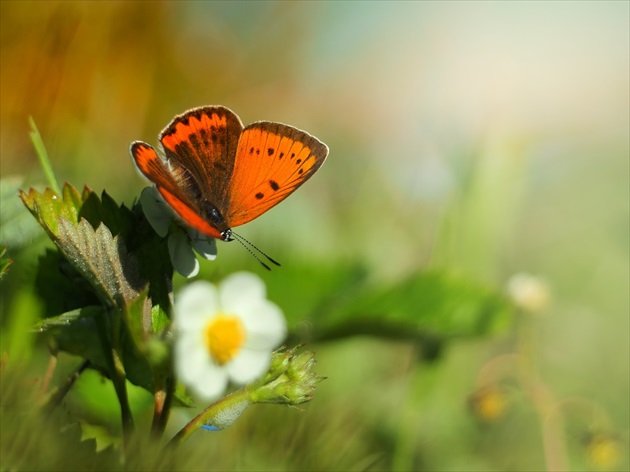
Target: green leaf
point(49, 207)
point(101, 435)
point(76, 332)
point(323, 303)
point(102, 259)
point(104, 255)
point(119, 219)
point(17, 228)
point(432, 305)
point(308, 292)
point(125, 264)
point(66, 319)
point(60, 286)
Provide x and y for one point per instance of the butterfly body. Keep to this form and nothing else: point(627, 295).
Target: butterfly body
point(218, 174)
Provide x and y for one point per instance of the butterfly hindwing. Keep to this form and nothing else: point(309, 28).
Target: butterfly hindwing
point(150, 164)
point(179, 195)
point(272, 160)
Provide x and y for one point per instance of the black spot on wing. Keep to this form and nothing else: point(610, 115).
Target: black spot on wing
point(260, 196)
point(184, 149)
point(219, 168)
point(203, 134)
point(274, 185)
point(194, 140)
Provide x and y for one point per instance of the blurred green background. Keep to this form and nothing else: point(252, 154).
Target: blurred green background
point(477, 139)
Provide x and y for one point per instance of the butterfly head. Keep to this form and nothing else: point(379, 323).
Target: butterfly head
point(227, 235)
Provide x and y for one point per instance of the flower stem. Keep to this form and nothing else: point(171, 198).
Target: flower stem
point(119, 379)
point(111, 348)
point(551, 423)
point(165, 389)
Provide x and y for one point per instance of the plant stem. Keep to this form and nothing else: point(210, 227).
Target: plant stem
point(52, 365)
point(42, 154)
point(165, 389)
point(421, 381)
point(554, 442)
point(111, 348)
point(119, 380)
point(56, 398)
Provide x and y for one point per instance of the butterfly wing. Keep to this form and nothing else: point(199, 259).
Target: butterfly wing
point(201, 145)
point(272, 161)
point(178, 192)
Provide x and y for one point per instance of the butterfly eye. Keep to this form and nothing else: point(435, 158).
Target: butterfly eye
point(227, 235)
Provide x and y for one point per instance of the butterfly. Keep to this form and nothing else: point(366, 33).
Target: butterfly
point(218, 174)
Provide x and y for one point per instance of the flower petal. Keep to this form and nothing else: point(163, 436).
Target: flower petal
point(195, 304)
point(240, 290)
point(190, 356)
point(265, 325)
point(248, 365)
point(195, 367)
point(211, 384)
point(155, 210)
point(182, 255)
point(204, 245)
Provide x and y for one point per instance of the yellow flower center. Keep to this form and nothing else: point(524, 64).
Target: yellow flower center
point(491, 406)
point(224, 336)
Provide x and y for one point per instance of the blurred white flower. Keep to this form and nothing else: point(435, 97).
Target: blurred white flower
point(528, 292)
point(180, 241)
point(225, 333)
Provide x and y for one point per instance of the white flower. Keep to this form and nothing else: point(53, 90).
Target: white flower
point(161, 217)
point(529, 292)
point(224, 333)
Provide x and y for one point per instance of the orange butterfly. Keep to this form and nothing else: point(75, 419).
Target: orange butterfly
point(218, 174)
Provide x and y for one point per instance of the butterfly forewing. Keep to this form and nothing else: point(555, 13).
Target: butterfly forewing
point(272, 160)
point(201, 145)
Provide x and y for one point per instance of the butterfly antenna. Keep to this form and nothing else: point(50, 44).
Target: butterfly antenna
point(244, 242)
